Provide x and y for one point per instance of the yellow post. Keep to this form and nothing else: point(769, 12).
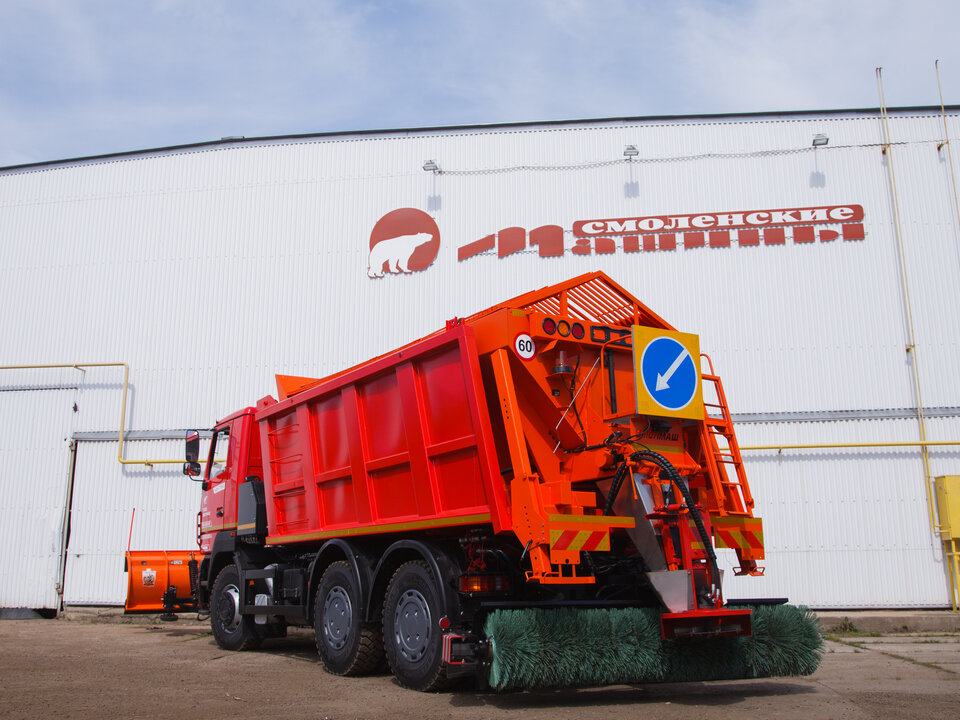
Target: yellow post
point(948, 505)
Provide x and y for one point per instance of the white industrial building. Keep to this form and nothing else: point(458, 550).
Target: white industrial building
point(172, 284)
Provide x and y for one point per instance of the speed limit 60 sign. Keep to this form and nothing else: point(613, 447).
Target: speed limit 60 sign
point(524, 346)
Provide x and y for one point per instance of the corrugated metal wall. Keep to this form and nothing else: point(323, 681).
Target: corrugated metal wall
point(212, 269)
point(846, 527)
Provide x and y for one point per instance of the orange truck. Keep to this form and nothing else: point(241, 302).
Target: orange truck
point(562, 450)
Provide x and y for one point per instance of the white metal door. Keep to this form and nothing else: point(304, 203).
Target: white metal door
point(105, 494)
point(34, 481)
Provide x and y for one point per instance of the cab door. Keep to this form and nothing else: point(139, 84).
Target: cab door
point(218, 504)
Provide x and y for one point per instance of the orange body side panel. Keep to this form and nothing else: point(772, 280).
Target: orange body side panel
point(288, 385)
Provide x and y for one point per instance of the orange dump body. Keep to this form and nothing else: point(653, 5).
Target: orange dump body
point(151, 572)
point(516, 420)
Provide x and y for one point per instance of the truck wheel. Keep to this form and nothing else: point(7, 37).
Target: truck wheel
point(347, 646)
point(232, 630)
point(411, 630)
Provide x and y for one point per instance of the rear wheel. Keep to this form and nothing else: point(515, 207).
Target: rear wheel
point(411, 629)
point(346, 645)
point(232, 630)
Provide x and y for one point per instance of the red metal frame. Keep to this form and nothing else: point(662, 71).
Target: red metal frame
point(706, 623)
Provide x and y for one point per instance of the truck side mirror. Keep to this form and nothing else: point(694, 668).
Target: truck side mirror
point(192, 467)
point(193, 446)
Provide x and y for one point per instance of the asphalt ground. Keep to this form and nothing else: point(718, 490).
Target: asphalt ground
point(99, 663)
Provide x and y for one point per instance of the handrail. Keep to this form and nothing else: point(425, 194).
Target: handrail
point(123, 404)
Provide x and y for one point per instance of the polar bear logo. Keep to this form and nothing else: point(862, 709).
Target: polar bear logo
point(395, 252)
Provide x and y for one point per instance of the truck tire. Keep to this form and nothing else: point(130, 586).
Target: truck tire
point(232, 630)
point(411, 629)
point(346, 645)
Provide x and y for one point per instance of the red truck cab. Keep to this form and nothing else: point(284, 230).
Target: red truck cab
point(234, 458)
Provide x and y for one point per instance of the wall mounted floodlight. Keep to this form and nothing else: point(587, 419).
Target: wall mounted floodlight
point(431, 166)
point(630, 151)
point(819, 140)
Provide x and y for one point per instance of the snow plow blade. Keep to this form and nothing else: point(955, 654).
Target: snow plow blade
point(154, 574)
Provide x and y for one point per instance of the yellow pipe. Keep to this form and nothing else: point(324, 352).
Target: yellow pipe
point(123, 404)
point(816, 446)
point(907, 306)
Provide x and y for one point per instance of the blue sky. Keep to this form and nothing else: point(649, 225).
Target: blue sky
point(86, 77)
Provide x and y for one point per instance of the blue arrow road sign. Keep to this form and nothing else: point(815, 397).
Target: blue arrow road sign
point(669, 373)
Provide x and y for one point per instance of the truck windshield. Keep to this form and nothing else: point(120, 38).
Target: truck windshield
point(219, 445)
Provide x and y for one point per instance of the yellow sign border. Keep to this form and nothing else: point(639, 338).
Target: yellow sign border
point(646, 404)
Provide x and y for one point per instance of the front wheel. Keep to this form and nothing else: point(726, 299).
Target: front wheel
point(411, 629)
point(232, 630)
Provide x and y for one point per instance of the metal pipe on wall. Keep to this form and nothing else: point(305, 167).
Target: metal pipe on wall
point(946, 142)
point(817, 446)
point(911, 347)
point(123, 404)
point(65, 525)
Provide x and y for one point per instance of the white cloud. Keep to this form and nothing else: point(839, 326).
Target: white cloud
point(817, 54)
point(109, 75)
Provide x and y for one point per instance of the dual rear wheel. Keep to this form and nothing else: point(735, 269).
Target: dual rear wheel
point(346, 644)
point(411, 630)
point(410, 636)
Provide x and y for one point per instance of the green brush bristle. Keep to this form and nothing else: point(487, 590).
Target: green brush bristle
point(575, 647)
point(699, 660)
point(572, 647)
point(637, 652)
point(786, 640)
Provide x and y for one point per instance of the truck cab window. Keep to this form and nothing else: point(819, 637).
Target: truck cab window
point(219, 446)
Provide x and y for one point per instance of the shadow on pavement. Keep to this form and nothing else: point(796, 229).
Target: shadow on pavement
point(713, 694)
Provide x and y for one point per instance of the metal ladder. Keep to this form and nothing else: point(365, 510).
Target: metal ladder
point(724, 455)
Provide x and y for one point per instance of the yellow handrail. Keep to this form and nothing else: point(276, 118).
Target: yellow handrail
point(123, 404)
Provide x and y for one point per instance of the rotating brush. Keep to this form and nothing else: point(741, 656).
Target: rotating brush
point(551, 648)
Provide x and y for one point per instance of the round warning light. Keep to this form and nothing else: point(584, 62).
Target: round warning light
point(549, 326)
point(577, 331)
point(563, 328)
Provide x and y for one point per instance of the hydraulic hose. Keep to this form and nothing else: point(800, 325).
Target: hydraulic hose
point(672, 474)
point(615, 488)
